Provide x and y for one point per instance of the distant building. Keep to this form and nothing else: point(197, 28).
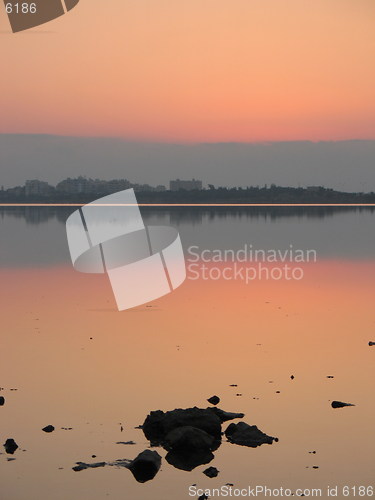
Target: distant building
point(74, 186)
point(37, 188)
point(186, 185)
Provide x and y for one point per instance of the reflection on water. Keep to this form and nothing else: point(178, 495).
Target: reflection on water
point(94, 374)
point(192, 215)
point(278, 351)
point(35, 236)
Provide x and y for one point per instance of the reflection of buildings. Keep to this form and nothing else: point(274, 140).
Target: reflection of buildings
point(180, 215)
point(186, 185)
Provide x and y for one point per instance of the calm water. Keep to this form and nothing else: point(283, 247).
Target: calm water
point(70, 359)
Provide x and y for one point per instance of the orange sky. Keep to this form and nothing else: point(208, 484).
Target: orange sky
point(212, 70)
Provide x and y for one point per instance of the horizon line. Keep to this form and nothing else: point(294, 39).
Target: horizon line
point(187, 142)
point(187, 204)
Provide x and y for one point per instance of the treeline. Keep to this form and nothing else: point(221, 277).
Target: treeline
point(273, 194)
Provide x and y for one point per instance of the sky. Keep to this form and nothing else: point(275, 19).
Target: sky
point(177, 72)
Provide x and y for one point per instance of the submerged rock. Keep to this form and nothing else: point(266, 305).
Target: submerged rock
point(83, 466)
point(247, 435)
point(214, 400)
point(340, 404)
point(48, 428)
point(10, 446)
point(211, 472)
point(145, 466)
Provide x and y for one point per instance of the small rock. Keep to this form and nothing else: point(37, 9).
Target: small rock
point(145, 466)
point(82, 466)
point(315, 467)
point(371, 343)
point(211, 472)
point(214, 400)
point(48, 428)
point(125, 442)
point(340, 404)
point(2, 401)
point(203, 497)
point(292, 377)
point(233, 385)
point(330, 376)
point(10, 446)
point(247, 435)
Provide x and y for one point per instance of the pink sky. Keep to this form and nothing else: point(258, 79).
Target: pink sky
point(238, 70)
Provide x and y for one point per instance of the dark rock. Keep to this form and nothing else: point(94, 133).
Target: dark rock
point(330, 376)
point(371, 343)
point(247, 435)
point(121, 463)
point(188, 460)
point(158, 424)
point(49, 428)
point(211, 472)
point(214, 400)
point(10, 446)
point(125, 442)
point(188, 438)
point(203, 497)
point(2, 401)
point(233, 385)
point(82, 466)
point(315, 467)
point(145, 466)
point(340, 404)
point(292, 377)
point(224, 416)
